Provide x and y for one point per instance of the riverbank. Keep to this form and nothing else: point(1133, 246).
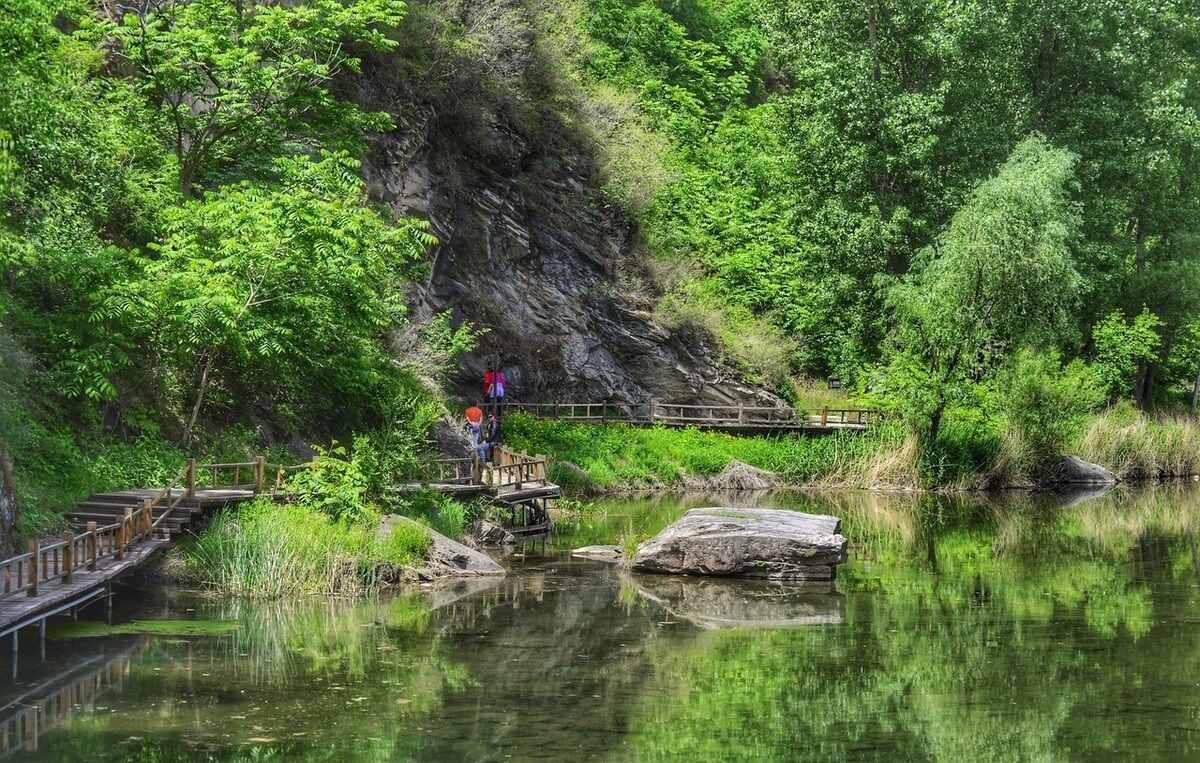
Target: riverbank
point(963, 626)
point(973, 452)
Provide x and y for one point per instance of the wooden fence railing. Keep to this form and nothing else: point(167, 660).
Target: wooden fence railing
point(513, 469)
point(655, 412)
point(61, 559)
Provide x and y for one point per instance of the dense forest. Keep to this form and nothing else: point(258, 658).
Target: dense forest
point(970, 212)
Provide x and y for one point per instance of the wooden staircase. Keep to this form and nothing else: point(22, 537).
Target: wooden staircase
point(106, 508)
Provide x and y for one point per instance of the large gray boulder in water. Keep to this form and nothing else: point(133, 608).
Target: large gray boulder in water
point(755, 543)
point(1073, 470)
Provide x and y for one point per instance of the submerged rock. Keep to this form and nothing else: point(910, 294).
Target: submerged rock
point(1073, 470)
point(445, 557)
point(712, 603)
point(757, 543)
point(599, 553)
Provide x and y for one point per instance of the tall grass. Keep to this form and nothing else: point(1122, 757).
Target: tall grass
point(1134, 445)
point(622, 457)
point(267, 550)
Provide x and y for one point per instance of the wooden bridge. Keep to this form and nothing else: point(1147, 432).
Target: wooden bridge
point(515, 481)
point(743, 418)
point(113, 534)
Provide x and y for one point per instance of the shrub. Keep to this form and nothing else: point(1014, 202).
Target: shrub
point(1121, 345)
point(1044, 404)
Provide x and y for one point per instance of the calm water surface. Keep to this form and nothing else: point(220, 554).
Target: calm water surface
point(1014, 629)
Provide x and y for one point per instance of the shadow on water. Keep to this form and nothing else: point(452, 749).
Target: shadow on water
point(1011, 627)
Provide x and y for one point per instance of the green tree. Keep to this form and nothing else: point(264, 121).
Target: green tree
point(1122, 346)
point(233, 81)
point(1043, 404)
point(285, 291)
point(1002, 275)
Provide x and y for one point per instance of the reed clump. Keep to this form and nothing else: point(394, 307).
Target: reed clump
point(1138, 446)
point(266, 550)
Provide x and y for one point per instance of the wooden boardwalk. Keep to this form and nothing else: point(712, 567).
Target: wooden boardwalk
point(114, 534)
point(737, 418)
point(517, 482)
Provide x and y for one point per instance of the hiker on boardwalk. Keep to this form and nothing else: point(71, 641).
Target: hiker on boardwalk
point(493, 386)
point(491, 433)
point(473, 428)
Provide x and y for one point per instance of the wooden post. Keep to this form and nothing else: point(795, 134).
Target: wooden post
point(824, 416)
point(33, 568)
point(190, 478)
point(147, 522)
point(123, 534)
point(90, 546)
point(68, 556)
point(653, 406)
point(260, 470)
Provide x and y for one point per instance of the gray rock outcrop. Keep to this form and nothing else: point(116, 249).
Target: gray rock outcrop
point(1073, 470)
point(736, 476)
point(757, 543)
point(446, 557)
point(530, 248)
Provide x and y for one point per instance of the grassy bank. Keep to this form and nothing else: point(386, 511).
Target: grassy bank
point(619, 456)
point(269, 550)
point(972, 451)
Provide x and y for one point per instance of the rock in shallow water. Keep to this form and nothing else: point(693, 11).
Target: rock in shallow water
point(1073, 470)
point(445, 558)
point(756, 543)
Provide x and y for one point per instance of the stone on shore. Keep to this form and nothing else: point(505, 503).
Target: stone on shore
point(755, 543)
point(445, 558)
point(1073, 470)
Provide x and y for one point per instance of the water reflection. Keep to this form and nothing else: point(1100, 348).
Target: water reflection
point(1010, 628)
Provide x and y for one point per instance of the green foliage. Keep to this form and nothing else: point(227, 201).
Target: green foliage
point(232, 82)
point(336, 485)
point(285, 290)
point(1044, 405)
point(1121, 346)
point(1001, 275)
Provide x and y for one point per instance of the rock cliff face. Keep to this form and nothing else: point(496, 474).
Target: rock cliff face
point(530, 249)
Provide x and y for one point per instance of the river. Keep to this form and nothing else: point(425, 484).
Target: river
point(1009, 628)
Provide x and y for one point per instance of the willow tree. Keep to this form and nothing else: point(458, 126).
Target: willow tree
point(1000, 276)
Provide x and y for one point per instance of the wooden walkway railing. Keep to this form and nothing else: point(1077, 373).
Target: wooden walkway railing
point(716, 416)
point(60, 560)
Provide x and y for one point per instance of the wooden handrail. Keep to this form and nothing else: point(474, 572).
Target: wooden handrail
point(654, 411)
point(23, 573)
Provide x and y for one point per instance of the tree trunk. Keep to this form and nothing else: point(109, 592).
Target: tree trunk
point(1196, 393)
point(8, 506)
point(201, 388)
